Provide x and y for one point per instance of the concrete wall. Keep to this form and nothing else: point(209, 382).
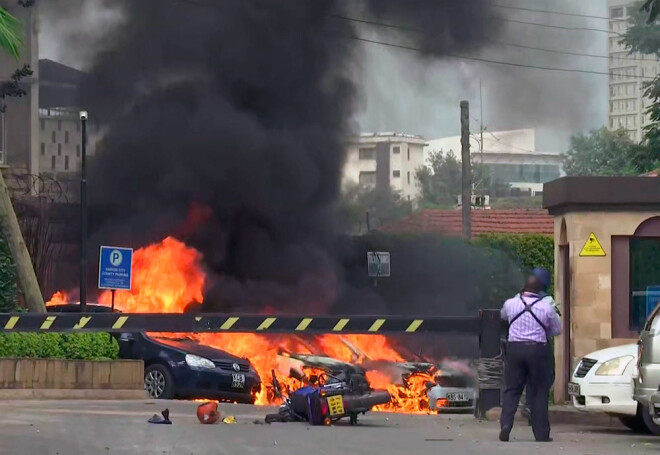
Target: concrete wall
point(71, 374)
point(590, 283)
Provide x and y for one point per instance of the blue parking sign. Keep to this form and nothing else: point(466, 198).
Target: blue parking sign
point(115, 268)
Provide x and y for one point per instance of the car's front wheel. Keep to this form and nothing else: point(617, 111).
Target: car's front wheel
point(635, 423)
point(158, 382)
point(648, 420)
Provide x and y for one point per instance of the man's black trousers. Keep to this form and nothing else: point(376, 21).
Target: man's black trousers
point(527, 364)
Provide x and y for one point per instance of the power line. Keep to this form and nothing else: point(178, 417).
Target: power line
point(579, 54)
point(497, 62)
point(559, 13)
point(539, 24)
point(501, 43)
point(463, 57)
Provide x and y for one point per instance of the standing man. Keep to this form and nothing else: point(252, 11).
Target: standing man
point(532, 322)
point(544, 278)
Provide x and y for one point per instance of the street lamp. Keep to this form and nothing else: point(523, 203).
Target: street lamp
point(83, 215)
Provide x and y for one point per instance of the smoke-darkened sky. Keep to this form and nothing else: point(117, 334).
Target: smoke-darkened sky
point(404, 91)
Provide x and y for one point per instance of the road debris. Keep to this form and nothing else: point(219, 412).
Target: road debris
point(208, 413)
point(163, 419)
point(229, 420)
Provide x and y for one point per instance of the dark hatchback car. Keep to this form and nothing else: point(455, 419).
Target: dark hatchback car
point(183, 368)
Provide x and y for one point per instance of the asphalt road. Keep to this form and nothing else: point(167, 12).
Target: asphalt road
point(120, 427)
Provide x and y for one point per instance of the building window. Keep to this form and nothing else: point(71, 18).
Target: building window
point(408, 177)
point(396, 174)
point(43, 149)
point(396, 150)
point(408, 153)
point(616, 12)
point(367, 153)
point(66, 163)
point(53, 137)
point(59, 149)
point(43, 124)
point(66, 137)
point(644, 279)
point(59, 125)
point(367, 178)
point(78, 150)
point(52, 162)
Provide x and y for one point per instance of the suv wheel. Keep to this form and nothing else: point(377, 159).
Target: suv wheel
point(648, 421)
point(158, 382)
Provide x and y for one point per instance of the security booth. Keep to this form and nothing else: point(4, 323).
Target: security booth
point(607, 263)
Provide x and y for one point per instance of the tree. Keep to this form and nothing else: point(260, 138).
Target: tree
point(440, 182)
point(652, 7)
point(604, 152)
point(382, 206)
point(643, 36)
point(11, 33)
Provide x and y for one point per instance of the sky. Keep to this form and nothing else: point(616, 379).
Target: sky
point(402, 91)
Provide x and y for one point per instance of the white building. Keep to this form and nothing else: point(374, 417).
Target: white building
point(511, 157)
point(627, 105)
point(385, 159)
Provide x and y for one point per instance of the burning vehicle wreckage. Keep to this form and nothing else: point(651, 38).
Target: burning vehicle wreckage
point(330, 389)
point(314, 378)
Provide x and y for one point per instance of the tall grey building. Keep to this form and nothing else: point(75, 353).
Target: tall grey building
point(627, 104)
point(19, 124)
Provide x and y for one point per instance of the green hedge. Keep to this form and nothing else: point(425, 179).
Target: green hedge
point(527, 250)
point(75, 346)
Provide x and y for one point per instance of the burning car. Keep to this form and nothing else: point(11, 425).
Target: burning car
point(181, 367)
point(451, 390)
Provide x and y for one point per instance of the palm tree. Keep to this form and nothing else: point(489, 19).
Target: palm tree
point(11, 36)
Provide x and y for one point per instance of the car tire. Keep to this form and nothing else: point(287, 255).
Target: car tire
point(634, 423)
point(648, 421)
point(158, 382)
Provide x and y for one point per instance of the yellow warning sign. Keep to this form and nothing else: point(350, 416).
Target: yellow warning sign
point(592, 247)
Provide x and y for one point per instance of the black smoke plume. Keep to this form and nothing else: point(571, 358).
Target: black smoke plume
point(223, 125)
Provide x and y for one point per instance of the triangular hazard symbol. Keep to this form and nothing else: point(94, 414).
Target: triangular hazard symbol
point(592, 247)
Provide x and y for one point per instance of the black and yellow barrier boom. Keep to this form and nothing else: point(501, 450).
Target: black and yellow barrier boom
point(214, 322)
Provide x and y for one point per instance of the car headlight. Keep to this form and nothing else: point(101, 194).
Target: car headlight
point(614, 367)
point(198, 362)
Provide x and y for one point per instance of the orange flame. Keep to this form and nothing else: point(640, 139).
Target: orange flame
point(168, 276)
point(59, 298)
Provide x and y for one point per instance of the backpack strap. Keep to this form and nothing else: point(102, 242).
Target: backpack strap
point(528, 309)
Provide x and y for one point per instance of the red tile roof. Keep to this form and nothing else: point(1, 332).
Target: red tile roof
point(449, 222)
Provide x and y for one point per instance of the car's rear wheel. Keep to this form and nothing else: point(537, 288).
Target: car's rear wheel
point(158, 382)
point(648, 421)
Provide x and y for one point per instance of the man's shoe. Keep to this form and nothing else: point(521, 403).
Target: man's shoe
point(504, 434)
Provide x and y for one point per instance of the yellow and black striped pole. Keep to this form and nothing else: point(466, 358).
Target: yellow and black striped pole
point(214, 322)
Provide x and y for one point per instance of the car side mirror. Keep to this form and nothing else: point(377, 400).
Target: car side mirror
point(126, 337)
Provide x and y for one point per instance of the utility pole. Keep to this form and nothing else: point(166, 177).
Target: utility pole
point(466, 176)
point(83, 215)
point(481, 120)
point(12, 234)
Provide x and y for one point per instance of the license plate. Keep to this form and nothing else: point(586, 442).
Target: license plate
point(457, 397)
point(238, 381)
point(573, 388)
point(336, 405)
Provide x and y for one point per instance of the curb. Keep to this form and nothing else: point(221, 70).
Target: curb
point(569, 416)
point(73, 394)
point(566, 415)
